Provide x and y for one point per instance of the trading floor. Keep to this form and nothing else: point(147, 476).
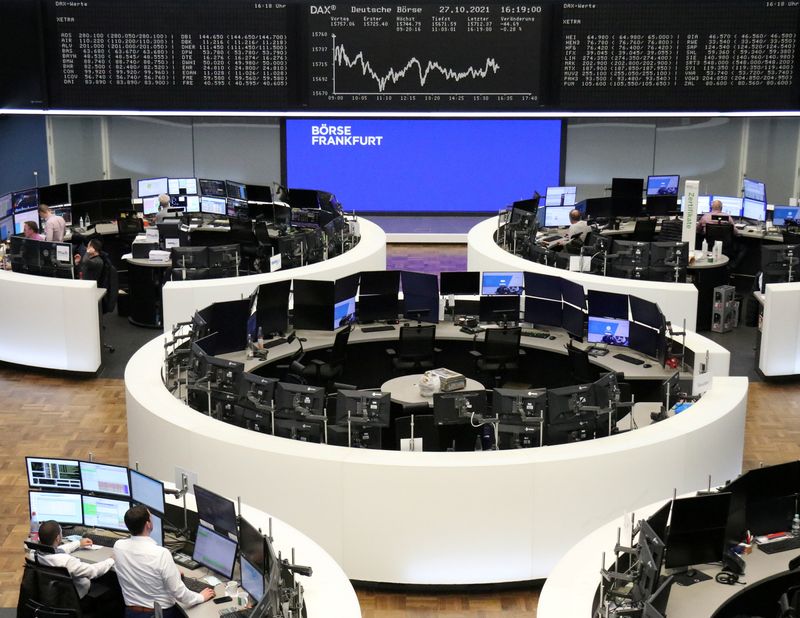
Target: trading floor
point(76, 416)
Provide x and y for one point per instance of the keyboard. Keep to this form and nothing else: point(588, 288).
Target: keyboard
point(232, 612)
point(195, 585)
point(535, 333)
point(552, 238)
point(779, 546)
point(102, 539)
point(185, 561)
point(376, 329)
point(629, 359)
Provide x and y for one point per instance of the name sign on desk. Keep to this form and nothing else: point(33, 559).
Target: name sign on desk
point(169, 243)
point(151, 234)
point(62, 253)
point(580, 263)
point(275, 262)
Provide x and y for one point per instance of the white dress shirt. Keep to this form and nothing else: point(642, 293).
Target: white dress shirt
point(80, 571)
point(147, 573)
point(54, 228)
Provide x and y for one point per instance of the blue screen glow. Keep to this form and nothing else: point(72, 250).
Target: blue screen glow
point(424, 165)
point(608, 330)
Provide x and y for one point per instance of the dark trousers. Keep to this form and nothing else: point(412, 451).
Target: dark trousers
point(170, 612)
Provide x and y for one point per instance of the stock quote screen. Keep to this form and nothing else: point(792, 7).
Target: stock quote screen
point(247, 55)
point(156, 54)
point(392, 56)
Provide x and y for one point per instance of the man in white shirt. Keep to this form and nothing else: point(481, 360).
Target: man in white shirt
point(54, 226)
point(81, 572)
point(163, 205)
point(147, 572)
point(578, 229)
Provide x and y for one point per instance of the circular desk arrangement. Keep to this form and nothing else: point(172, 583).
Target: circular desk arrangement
point(182, 298)
point(678, 301)
point(419, 518)
point(405, 390)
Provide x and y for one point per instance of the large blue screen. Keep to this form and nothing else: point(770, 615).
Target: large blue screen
point(424, 165)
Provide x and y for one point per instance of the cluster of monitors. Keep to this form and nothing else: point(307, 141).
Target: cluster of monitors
point(779, 264)
point(558, 412)
point(206, 262)
point(91, 494)
point(20, 206)
point(41, 257)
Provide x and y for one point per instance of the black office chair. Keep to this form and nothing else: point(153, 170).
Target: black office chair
point(324, 372)
point(500, 354)
point(46, 589)
point(416, 349)
point(671, 231)
point(720, 232)
point(581, 368)
point(644, 230)
point(791, 238)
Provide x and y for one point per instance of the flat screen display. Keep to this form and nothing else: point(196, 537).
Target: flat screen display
point(456, 164)
point(753, 210)
point(781, 213)
point(344, 312)
point(157, 534)
point(25, 200)
point(703, 204)
point(466, 283)
point(105, 478)
point(557, 216)
point(497, 283)
point(152, 186)
point(662, 185)
point(150, 205)
point(192, 203)
point(730, 205)
point(180, 186)
point(147, 491)
point(214, 551)
point(100, 512)
point(560, 196)
point(61, 507)
point(46, 473)
point(214, 205)
point(754, 190)
point(5, 205)
point(608, 330)
point(252, 579)
point(7, 227)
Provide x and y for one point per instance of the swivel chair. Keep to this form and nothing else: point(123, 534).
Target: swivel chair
point(47, 591)
point(720, 232)
point(791, 238)
point(581, 368)
point(416, 349)
point(324, 372)
point(671, 230)
point(501, 353)
point(644, 230)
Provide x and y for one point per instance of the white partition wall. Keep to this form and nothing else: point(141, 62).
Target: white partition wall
point(183, 298)
point(678, 301)
point(780, 330)
point(49, 323)
point(430, 517)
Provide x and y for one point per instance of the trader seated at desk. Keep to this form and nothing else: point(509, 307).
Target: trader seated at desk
point(147, 572)
point(31, 230)
point(714, 213)
point(163, 206)
point(81, 572)
point(90, 266)
point(577, 231)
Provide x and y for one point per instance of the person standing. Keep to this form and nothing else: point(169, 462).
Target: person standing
point(54, 226)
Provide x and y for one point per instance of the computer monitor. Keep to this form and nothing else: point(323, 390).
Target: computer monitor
point(52, 195)
point(364, 407)
point(646, 312)
point(656, 605)
point(224, 374)
point(499, 308)
point(543, 286)
point(610, 331)
point(147, 491)
point(50, 473)
point(566, 419)
point(157, 533)
point(460, 283)
point(557, 216)
point(779, 214)
point(754, 190)
point(377, 307)
point(573, 294)
point(213, 205)
point(211, 188)
point(645, 340)
point(150, 205)
point(192, 203)
point(560, 196)
point(658, 520)
point(543, 312)
point(384, 282)
point(27, 199)
point(754, 210)
point(776, 262)
point(153, 186)
point(633, 252)
point(502, 283)
point(182, 186)
point(663, 185)
point(224, 256)
point(215, 510)
point(703, 204)
point(253, 545)
point(458, 407)
point(105, 479)
point(21, 217)
point(65, 508)
point(258, 193)
point(573, 320)
point(300, 430)
point(272, 307)
point(252, 578)
point(599, 207)
point(189, 257)
point(6, 228)
point(344, 312)
point(215, 551)
point(235, 190)
point(520, 405)
point(731, 205)
point(607, 304)
point(102, 512)
point(661, 205)
point(697, 530)
point(6, 205)
point(627, 187)
point(304, 198)
point(256, 391)
point(293, 400)
point(669, 254)
point(764, 499)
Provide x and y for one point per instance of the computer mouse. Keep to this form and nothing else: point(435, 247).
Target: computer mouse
point(647, 365)
point(551, 337)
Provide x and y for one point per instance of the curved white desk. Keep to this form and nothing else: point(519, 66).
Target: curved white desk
point(50, 323)
point(779, 344)
point(182, 298)
point(678, 301)
point(438, 518)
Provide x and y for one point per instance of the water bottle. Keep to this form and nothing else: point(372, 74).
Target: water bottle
point(82, 223)
point(34, 527)
point(260, 338)
point(249, 351)
point(704, 248)
point(88, 222)
point(796, 524)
